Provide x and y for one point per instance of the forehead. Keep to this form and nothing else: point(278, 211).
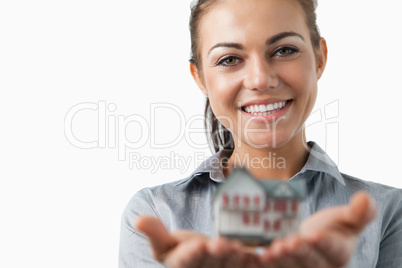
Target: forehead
point(245, 21)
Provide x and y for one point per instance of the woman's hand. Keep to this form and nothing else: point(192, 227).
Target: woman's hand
point(326, 239)
point(185, 249)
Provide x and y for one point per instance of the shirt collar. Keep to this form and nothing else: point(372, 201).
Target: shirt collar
point(213, 165)
point(318, 161)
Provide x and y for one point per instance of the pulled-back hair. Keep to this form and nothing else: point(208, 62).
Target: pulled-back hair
point(218, 136)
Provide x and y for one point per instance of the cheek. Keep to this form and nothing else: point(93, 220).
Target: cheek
point(302, 80)
point(301, 77)
point(223, 88)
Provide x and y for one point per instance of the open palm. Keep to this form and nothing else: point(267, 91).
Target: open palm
point(328, 238)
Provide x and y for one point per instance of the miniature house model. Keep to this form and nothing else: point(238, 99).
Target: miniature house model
point(256, 211)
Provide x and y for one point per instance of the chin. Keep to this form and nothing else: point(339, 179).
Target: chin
point(266, 141)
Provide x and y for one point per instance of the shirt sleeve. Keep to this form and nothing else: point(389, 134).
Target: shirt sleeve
point(134, 248)
point(390, 255)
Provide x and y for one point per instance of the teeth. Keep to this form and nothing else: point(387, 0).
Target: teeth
point(262, 110)
point(270, 107)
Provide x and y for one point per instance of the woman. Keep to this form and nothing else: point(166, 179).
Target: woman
point(258, 62)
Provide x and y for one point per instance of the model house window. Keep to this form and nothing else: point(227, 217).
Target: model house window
point(225, 200)
point(295, 205)
point(246, 218)
point(246, 201)
point(280, 206)
point(236, 201)
point(256, 201)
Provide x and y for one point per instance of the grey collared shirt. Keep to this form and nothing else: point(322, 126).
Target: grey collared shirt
point(186, 204)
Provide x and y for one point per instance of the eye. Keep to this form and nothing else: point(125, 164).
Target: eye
point(228, 61)
point(285, 51)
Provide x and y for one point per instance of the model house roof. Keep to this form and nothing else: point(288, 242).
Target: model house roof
point(273, 188)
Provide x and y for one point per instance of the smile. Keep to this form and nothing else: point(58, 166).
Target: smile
point(263, 110)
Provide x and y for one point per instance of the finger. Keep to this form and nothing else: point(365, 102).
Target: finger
point(232, 254)
point(160, 239)
point(284, 253)
point(237, 256)
point(218, 250)
point(252, 260)
point(307, 256)
point(294, 247)
point(337, 249)
point(350, 218)
point(272, 254)
point(362, 210)
point(188, 254)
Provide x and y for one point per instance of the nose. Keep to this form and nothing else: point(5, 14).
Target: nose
point(260, 75)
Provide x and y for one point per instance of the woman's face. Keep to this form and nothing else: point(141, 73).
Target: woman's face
point(259, 69)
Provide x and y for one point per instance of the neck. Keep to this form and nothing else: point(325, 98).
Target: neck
point(270, 163)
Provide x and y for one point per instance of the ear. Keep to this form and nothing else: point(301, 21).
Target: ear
point(197, 78)
point(321, 58)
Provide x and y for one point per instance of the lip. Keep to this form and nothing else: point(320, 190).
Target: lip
point(269, 117)
point(263, 102)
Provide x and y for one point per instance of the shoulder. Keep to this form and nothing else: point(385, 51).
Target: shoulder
point(148, 196)
point(150, 201)
point(388, 200)
point(193, 183)
point(379, 243)
point(199, 182)
point(167, 200)
point(186, 196)
point(181, 204)
point(386, 230)
point(380, 192)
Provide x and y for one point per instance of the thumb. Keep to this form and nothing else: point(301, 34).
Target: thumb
point(160, 239)
point(362, 210)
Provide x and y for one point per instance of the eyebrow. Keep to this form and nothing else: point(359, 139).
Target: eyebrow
point(272, 40)
point(232, 45)
point(280, 36)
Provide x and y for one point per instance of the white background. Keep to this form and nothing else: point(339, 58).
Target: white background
point(61, 205)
